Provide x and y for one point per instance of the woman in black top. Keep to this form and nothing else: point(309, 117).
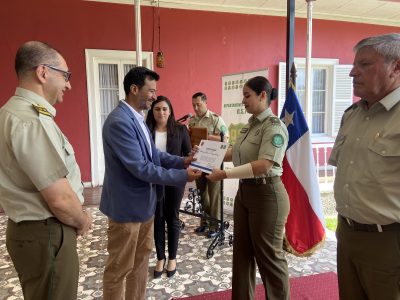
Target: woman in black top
point(172, 137)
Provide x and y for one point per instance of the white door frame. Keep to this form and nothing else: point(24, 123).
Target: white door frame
point(93, 58)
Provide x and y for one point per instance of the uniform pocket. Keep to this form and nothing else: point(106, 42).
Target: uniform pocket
point(384, 156)
point(27, 257)
point(254, 139)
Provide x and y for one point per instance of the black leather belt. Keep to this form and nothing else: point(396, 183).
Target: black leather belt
point(260, 180)
point(47, 221)
point(369, 227)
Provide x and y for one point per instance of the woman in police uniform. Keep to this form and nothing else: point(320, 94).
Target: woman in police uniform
point(261, 204)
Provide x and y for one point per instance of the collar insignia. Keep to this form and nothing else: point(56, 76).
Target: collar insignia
point(42, 110)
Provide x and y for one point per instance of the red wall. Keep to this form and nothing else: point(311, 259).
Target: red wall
point(199, 47)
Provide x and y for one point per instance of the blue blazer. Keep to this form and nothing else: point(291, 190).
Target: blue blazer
point(133, 172)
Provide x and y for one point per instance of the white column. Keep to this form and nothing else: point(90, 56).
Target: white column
point(308, 73)
point(138, 31)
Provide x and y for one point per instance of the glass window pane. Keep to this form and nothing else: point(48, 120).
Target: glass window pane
point(318, 124)
point(301, 79)
point(127, 68)
point(319, 79)
point(300, 87)
point(108, 89)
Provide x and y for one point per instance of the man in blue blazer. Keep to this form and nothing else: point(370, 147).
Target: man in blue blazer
point(134, 173)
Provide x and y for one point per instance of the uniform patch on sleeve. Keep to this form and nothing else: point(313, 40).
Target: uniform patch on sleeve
point(277, 140)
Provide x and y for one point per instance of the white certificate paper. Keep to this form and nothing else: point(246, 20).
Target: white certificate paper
point(210, 156)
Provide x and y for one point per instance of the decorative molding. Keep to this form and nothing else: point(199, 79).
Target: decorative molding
point(280, 10)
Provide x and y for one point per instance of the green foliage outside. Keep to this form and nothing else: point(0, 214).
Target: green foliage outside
point(331, 223)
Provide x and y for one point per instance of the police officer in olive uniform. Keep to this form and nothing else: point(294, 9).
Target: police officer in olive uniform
point(261, 205)
point(40, 182)
point(367, 193)
point(210, 192)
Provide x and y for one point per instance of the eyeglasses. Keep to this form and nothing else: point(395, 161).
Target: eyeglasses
point(66, 74)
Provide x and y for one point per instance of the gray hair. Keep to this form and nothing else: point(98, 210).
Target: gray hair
point(32, 54)
point(386, 45)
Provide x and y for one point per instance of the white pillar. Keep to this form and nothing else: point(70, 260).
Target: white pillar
point(308, 74)
point(138, 31)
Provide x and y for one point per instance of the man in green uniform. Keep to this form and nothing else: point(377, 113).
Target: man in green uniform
point(210, 192)
point(40, 182)
point(367, 156)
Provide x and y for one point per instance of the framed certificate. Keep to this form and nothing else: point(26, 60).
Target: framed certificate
point(197, 134)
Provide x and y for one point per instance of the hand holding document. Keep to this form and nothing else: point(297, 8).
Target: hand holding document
point(209, 156)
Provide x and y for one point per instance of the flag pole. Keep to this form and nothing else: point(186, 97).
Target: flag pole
point(138, 31)
point(308, 74)
point(289, 39)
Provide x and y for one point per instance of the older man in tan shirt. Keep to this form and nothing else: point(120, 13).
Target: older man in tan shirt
point(40, 182)
point(367, 185)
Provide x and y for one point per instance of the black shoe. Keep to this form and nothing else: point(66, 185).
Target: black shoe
point(212, 234)
point(201, 229)
point(171, 273)
point(157, 274)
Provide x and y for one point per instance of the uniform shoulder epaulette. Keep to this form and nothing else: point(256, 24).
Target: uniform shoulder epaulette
point(274, 120)
point(353, 106)
point(42, 110)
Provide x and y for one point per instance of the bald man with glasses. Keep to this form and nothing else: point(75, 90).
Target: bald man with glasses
point(40, 182)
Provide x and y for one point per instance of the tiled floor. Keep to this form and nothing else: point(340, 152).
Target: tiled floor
point(196, 274)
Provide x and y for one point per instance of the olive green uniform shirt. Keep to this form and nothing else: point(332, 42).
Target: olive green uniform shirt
point(214, 123)
point(34, 154)
point(264, 137)
point(367, 156)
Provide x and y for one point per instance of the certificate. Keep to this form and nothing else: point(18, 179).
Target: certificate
point(209, 156)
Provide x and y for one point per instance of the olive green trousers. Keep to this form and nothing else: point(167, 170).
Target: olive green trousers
point(210, 193)
point(260, 214)
point(368, 263)
point(45, 258)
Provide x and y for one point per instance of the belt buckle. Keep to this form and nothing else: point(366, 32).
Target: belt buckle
point(350, 222)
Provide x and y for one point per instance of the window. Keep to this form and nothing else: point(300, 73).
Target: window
point(331, 93)
point(105, 71)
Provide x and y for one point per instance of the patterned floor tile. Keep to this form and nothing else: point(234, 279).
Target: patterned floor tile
point(195, 273)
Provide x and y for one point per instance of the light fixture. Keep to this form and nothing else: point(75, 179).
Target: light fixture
point(160, 55)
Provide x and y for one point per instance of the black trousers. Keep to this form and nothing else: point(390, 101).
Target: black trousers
point(167, 211)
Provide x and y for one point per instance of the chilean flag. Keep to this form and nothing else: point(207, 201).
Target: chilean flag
point(305, 229)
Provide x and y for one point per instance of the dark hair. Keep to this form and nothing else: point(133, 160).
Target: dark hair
point(202, 96)
point(259, 84)
point(32, 54)
point(137, 76)
point(151, 121)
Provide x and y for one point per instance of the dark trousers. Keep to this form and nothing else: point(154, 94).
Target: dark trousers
point(167, 211)
point(368, 263)
point(260, 214)
point(210, 193)
point(45, 258)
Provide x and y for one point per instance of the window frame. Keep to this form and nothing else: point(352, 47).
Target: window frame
point(331, 66)
point(93, 57)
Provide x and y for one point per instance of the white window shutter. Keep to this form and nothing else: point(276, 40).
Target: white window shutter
point(342, 94)
point(282, 87)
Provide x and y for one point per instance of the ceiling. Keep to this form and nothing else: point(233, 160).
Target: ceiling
point(382, 12)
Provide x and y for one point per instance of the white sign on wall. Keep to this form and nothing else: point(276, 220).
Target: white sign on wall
point(235, 116)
